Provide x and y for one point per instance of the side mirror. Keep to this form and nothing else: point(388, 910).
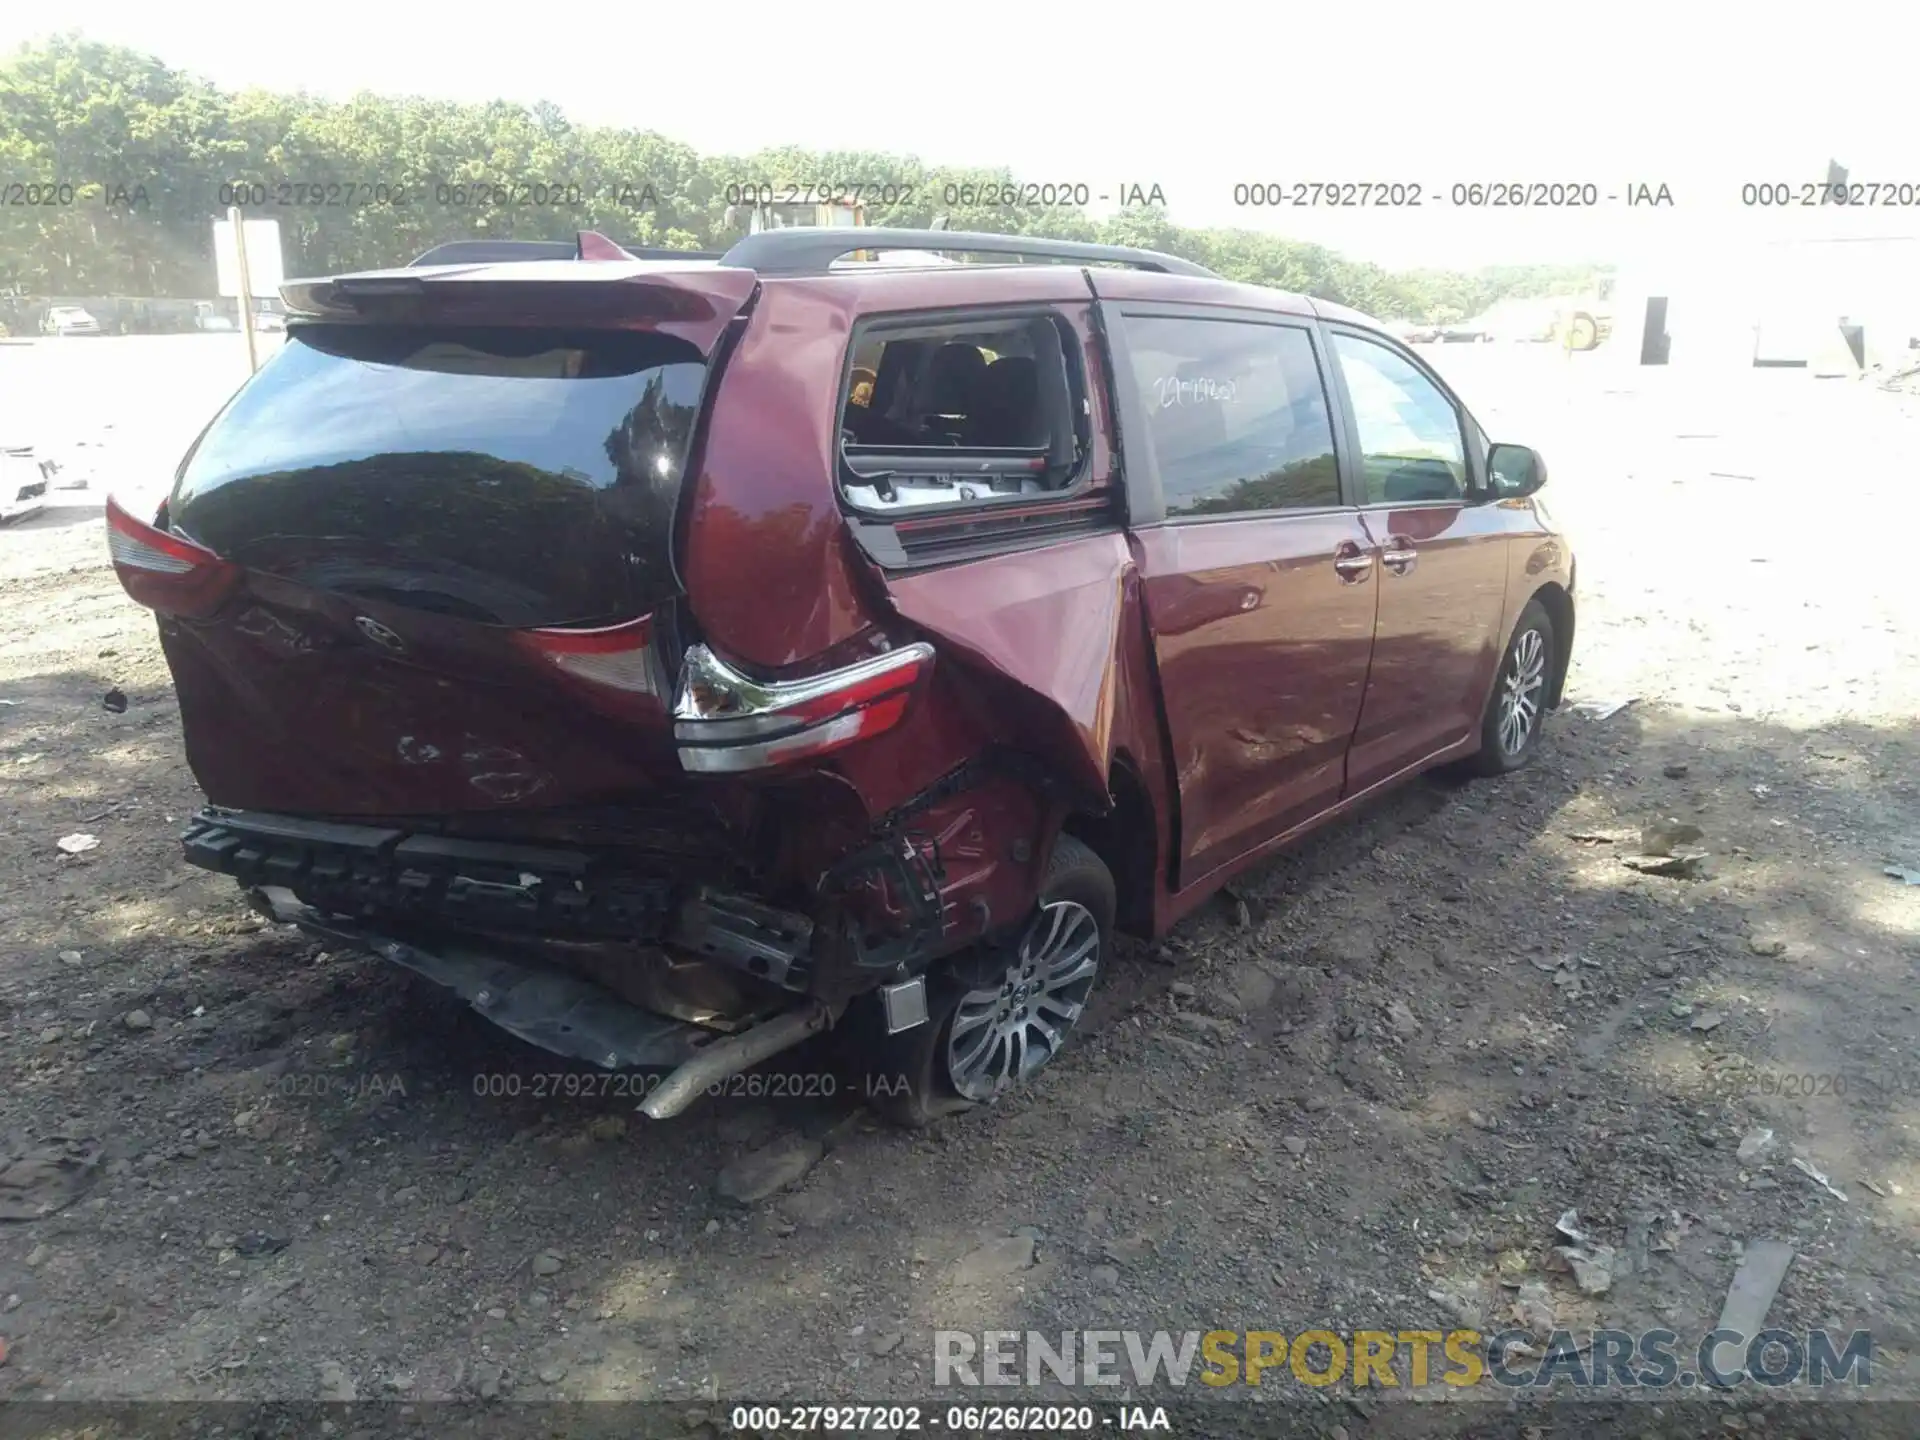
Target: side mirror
point(1515, 470)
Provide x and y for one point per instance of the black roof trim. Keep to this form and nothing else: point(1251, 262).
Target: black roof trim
point(811, 250)
point(507, 252)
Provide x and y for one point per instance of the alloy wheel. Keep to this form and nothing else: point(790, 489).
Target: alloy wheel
point(1004, 1032)
point(1520, 690)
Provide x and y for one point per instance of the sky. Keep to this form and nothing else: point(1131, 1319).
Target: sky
point(1194, 98)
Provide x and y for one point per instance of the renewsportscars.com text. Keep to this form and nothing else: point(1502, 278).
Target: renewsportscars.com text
point(1415, 1359)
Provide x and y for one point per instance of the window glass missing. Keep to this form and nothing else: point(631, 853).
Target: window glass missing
point(961, 411)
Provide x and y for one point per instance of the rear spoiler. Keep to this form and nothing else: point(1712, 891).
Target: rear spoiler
point(480, 282)
point(589, 246)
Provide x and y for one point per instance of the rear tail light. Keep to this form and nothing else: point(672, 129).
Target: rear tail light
point(618, 664)
point(163, 571)
point(726, 722)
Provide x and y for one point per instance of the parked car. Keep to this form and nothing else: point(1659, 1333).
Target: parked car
point(23, 483)
point(206, 317)
point(676, 659)
point(69, 320)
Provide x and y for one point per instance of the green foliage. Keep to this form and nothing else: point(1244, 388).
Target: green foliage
point(147, 151)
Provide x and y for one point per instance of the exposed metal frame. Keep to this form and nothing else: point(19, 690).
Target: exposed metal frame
point(812, 249)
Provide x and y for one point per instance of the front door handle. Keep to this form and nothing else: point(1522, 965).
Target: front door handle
point(1398, 554)
point(1351, 563)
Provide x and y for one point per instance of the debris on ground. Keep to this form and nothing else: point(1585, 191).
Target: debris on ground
point(1756, 1280)
point(1669, 836)
point(1006, 1256)
point(77, 844)
point(1767, 945)
point(43, 1179)
point(1647, 1236)
point(1707, 1020)
point(1906, 875)
point(1806, 1168)
point(1755, 1143)
point(1674, 770)
point(1533, 1309)
point(759, 1173)
point(335, 1384)
point(1684, 865)
point(115, 700)
point(1590, 1263)
point(1601, 709)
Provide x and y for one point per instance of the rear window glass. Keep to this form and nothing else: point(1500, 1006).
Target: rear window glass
point(595, 410)
point(517, 476)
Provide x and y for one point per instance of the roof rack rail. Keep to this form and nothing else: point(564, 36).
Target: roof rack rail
point(811, 250)
point(507, 252)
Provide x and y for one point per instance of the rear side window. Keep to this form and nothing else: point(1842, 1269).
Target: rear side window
point(961, 410)
point(1236, 413)
point(1410, 445)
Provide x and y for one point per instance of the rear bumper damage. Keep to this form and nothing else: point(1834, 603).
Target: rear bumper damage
point(567, 1015)
point(607, 953)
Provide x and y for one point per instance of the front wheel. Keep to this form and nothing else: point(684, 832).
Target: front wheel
point(1510, 729)
point(998, 1015)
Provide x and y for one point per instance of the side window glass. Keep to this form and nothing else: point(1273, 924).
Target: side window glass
point(1236, 414)
point(1410, 445)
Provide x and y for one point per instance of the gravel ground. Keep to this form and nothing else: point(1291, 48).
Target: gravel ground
point(1432, 1030)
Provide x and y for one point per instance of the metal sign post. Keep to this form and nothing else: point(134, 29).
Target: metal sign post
point(235, 219)
point(248, 264)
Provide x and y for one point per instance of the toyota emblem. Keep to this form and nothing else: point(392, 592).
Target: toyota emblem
point(378, 633)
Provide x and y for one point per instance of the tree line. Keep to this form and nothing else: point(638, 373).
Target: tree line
point(112, 165)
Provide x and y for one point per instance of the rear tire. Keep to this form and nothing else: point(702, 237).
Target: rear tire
point(1015, 1005)
point(1510, 729)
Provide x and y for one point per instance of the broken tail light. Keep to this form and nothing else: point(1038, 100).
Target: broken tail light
point(618, 664)
point(165, 572)
point(725, 722)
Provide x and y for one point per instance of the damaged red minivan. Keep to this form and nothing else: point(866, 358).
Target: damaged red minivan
point(680, 656)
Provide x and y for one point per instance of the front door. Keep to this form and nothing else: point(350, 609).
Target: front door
point(1443, 562)
point(1260, 582)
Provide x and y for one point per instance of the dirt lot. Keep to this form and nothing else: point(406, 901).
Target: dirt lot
point(1440, 1025)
